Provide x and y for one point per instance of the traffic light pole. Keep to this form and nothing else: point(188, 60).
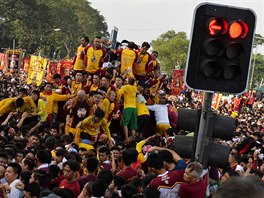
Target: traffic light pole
point(201, 149)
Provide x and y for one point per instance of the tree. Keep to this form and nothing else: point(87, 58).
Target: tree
point(257, 67)
point(172, 48)
point(31, 23)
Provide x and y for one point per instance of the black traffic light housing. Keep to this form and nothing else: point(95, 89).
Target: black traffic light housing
point(217, 126)
point(220, 48)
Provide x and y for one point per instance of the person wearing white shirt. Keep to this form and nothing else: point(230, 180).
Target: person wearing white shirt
point(161, 115)
point(11, 175)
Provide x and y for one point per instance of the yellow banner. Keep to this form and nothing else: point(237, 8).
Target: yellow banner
point(36, 70)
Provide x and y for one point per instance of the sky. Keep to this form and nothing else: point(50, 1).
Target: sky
point(146, 20)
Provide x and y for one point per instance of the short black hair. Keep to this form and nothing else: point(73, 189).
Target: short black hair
point(92, 164)
point(145, 44)
point(33, 189)
point(44, 156)
point(105, 150)
point(128, 157)
point(99, 188)
point(166, 156)
point(63, 192)
point(128, 191)
point(30, 163)
point(155, 161)
point(16, 167)
point(73, 164)
point(23, 90)
point(19, 102)
point(106, 175)
point(151, 192)
point(86, 38)
point(119, 181)
point(131, 45)
point(99, 113)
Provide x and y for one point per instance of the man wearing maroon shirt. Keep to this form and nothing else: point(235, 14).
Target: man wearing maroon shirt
point(92, 166)
point(167, 182)
point(194, 186)
point(127, 171)
point(70, 169)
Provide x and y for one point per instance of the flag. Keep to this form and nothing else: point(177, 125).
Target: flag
point(2, 61)
point(13, 60)
point(52, 70)
point(36, 70)
point(177, 82)
point(65, 66)
point(26, 64)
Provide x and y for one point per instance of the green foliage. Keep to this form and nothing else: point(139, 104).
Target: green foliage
point(258, 74)
point(32, 22)
point(172, 48)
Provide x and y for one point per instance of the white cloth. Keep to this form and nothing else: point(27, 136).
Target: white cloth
point(14, 192)
point(161, 113)
point(43, 166)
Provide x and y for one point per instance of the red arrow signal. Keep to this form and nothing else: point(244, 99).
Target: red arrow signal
point(217, 26)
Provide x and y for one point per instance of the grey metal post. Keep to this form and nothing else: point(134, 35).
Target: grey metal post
point(199, 156)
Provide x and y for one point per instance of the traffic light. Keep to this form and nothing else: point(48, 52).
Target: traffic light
point(217, 126)
point(220, 48)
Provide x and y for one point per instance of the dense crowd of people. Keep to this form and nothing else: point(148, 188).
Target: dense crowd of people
point(107, 130)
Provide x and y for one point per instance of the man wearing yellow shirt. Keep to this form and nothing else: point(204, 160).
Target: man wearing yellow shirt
point(77, 63)
point(94, 57)
point(142, 110)
point(129, 116)
point(89, 128)
point(144, 64)
point(128, 58)
point(10, 104)
point(51, 98)
point(41, 109)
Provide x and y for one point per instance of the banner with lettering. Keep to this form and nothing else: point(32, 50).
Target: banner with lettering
point(26, 63)
point(177, 81)
point(13, 60)
point(65, 66)
point(2, 61)
point(36, 70)
point(52, 69)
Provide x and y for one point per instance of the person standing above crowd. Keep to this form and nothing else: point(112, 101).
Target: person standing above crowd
point(129, 117)
point(51, 99)
point(77, 62)
point(143, 64)
point(94, 57)
point(128, 58)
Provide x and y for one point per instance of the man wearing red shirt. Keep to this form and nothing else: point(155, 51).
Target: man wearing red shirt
point(167, 182)
point(194, 186)
point(70, 169)
point(127, 171)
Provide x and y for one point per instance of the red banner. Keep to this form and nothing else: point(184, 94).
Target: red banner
point(65, 66)
point(2, 61)
point(26, 63)
point(13, 58)
point(52, 70)
point(177, 82)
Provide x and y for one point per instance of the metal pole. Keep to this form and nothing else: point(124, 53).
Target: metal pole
point(253, 68)
point(208, 97)
point(14, 44)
